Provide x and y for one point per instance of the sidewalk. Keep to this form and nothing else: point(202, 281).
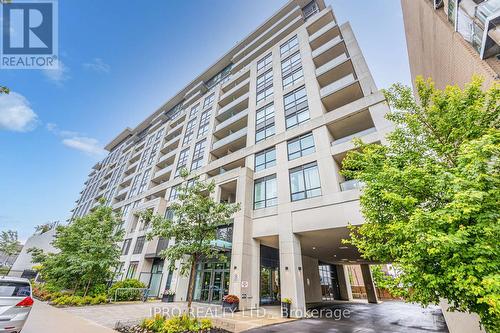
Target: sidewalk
point(110, 314)
point(48, 319)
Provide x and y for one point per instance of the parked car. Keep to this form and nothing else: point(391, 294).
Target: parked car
point(15, 303)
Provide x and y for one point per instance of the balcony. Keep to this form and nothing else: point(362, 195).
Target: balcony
point(327, 51)
point(334, 69)
point(155, 246)
point(322, 36)
point(235, 79)
point(353, 184)
point(131, 168)
point(235, 92)
point(172, 142)
point(162, 175)
point(121, 194)
point(341, 92)
point(240, 103)
point(232, 121)
point(317, 22)
point(166, 159)
point(127, 180)
point(229, 144)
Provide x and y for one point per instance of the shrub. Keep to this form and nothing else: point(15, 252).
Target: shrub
point(126, 295)
point(72, 300)
point(231, 299)
point(184, 323)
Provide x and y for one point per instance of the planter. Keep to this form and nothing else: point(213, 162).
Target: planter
point(167, 298)
point(233, 307)
point(285, 309)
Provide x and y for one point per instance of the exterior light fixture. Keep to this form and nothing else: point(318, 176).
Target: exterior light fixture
point(286, 268)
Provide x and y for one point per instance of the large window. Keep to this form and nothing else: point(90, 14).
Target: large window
point(289, 45)
point(291, 70)
point(199, 151)
point(304, 182)
point(139, 245)
point(126, 246)
point(265, 159)
point(135, 183)
point(152, 155)
point(194, 110)
point(265, 192)
point(182, 162)
point(188, 136)
point(296, 108)
point(262, 63)
point(300, 146)
point(144, 158)
point(174, 193)
point(204, 122)
point(264, 85)
point(144, 181)
point(132, 269)
point(208, 101)
point(264, 123)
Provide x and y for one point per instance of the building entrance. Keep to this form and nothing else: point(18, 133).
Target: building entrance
point(269, 276)
point(212, 282)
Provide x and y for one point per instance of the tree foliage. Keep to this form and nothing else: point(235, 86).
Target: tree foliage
point(197, 216)
point(9, 243)
point(431, 197)
point(88, 251)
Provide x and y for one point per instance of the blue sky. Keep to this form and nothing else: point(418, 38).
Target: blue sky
point(121, 61)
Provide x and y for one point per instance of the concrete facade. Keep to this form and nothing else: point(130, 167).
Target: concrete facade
point(448, 50)
point(308, 69)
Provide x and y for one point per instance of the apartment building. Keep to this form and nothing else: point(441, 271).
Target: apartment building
point(450, 40)
point(270, 122)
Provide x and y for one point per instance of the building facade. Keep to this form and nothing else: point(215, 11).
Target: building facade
point(270, 122)
point(450, 40)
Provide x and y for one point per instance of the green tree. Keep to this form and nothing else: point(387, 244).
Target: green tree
point(431, 197)
point(87, 251)
point(4, 90)
point(9, 243)
point(197, 217)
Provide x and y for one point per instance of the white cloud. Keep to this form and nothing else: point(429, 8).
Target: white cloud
point(97, 65)
point(16, 113)
point(59, 74)
point(87, 145)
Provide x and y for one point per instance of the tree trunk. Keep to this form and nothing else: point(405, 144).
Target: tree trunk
point(87, 288)
point(191, 282)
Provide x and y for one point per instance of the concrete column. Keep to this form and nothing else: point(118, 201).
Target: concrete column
point(371, 293)
point(344, 283)
point(291, 273)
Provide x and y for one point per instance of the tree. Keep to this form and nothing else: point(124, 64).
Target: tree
point(43, 228)
point(9, 243)
point(4, 90)
point(197, 217)
point(431, 197)
point(88, 251)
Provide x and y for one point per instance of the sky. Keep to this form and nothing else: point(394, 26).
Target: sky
point(120, 62)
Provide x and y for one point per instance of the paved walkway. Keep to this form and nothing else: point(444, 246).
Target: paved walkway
point(44, 318)
point(387, 317)
point(111, 315)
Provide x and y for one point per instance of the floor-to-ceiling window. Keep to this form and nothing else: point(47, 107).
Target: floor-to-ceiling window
point(269, 275)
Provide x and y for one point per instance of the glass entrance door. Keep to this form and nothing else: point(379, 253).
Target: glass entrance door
point(269, 276)
point(212, 283)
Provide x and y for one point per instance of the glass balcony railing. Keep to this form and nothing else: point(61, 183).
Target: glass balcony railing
point(351, 185)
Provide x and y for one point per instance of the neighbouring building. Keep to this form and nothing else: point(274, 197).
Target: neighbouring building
point(450, 40)
point(270, 122)
point(23, 266)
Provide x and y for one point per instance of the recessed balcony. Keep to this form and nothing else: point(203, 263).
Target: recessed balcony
point(240, 104)
point(227, 167)
point(232, 122)
point(131, 168)
point(121, 194)
point(172, 142)
point(330, 31)
point(166, 159)
point(162, 175)
point(345, 128)
point(236, 79)
point(235, 92)
point(127, 180)
point(318, 21)
point(341, 92)
point(334, 70)
point(231, 143)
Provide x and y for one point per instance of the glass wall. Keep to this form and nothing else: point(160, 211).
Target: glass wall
point(269, 275)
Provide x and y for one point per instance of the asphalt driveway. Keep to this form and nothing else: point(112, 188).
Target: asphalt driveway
point(387, 317)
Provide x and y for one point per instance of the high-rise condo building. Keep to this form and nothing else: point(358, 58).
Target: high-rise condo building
point(270, 122)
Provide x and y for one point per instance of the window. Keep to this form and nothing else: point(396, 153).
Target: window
point(291, 70)
point(310, 9)
point(159, 134)
point(199, 150)
point(174, 193)
point(204, 122)
point(144, 181)
point(304, 182)
point(182, 162)
point(265, 192)
point(289, 45)
point(135, 183)
point(126, 246)
point(118, 271)
point(150, 140)
point(300, 146)
point(262, 63)
point(208, 101)
point(139, 245)
point(265, 85)
point(188, 136)
point(143, 159)
point(132, 269)
point(265, 159)
point(264, 123)
point(169, 214)
point(152, 155)
point(194, 110)
point(296, 108)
